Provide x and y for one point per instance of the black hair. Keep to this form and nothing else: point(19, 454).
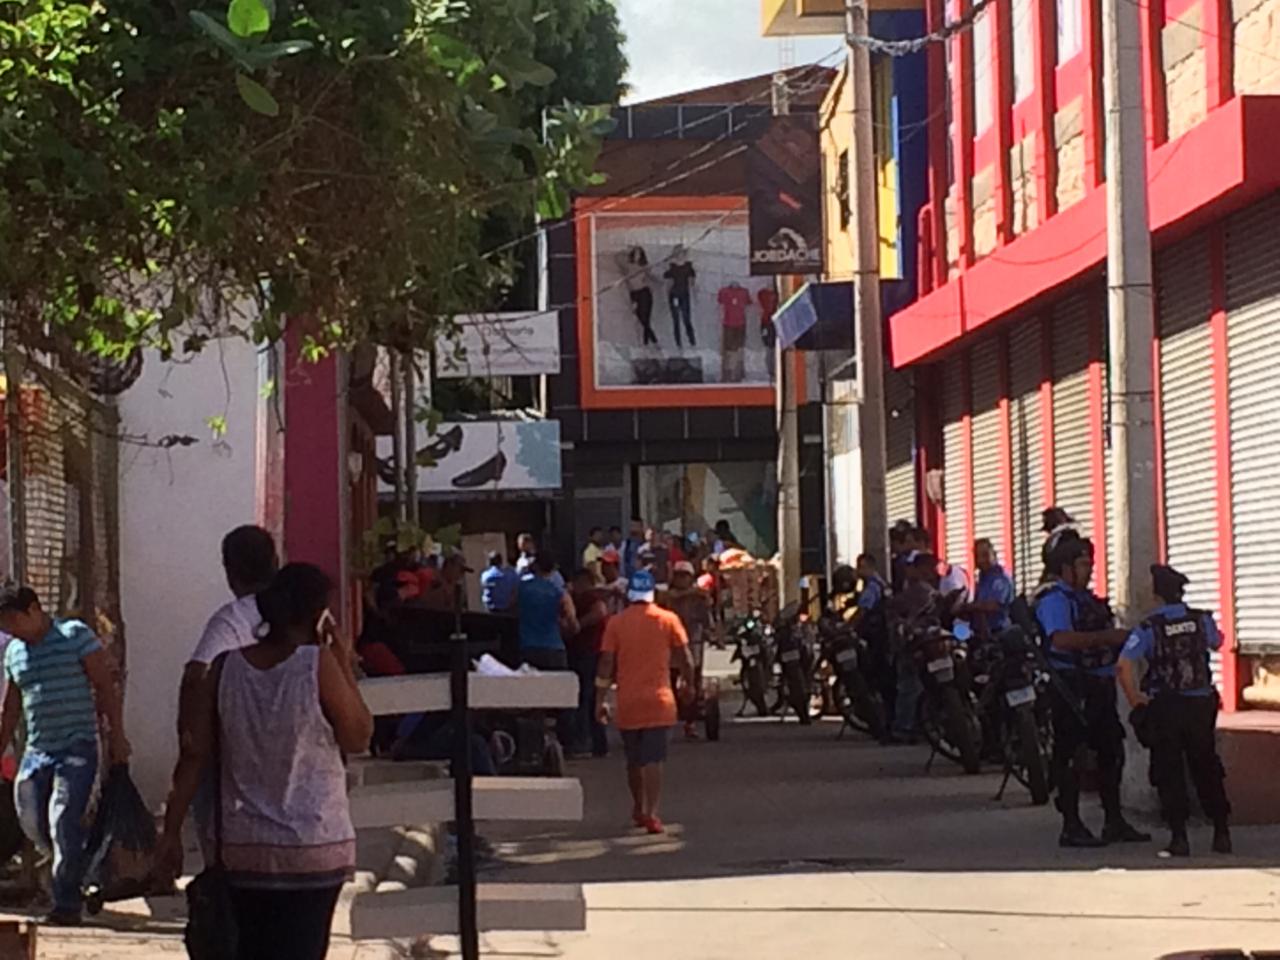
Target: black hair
point(296, 597)
point(1067, 552)
point(984, 542)
point(544, 561)
point(583, 572)
point(868, 559)
point(15, 598)
point(924, 559)
point(249, 557)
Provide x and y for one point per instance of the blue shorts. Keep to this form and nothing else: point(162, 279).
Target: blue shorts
point(646, 746)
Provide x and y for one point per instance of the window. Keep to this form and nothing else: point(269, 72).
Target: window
point(982, 75)
point(1023, 53)
point(1070, 29)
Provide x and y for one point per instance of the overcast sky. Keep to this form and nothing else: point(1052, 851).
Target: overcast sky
point(677, 45)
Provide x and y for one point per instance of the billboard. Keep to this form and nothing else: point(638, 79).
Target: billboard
point(501, 345)
point(671, 299)
point(784, 183)
point(486, 456)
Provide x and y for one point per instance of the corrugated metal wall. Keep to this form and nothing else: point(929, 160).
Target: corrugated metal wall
point(988, 467)
point(1072, 466)
point(1027, 433)
point(955, 469)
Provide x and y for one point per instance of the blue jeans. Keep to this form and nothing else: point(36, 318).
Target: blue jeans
point(588, 733)
point(52, 794)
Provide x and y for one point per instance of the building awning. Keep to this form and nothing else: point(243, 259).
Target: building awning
point(818, 317)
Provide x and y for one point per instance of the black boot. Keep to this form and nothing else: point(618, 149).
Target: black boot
point(1076, 834)
point(1179, 844)
point(1221, 837)
point(1120, 830)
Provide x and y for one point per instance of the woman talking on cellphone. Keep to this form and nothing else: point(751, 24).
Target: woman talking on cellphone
point(276, 719)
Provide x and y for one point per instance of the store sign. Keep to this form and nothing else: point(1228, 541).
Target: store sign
point(784, 182)
point(490, 455)
point(501, 345)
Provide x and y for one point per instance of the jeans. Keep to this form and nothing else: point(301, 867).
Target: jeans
point(682, 310)
point(52, 793)
point(588, 732)
point(908, 698)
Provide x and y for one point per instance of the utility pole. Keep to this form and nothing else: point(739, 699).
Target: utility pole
point(868, 326)
point(1130, 310)
point(789, 528)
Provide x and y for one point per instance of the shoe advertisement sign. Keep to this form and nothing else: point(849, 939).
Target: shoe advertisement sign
point(490, 455)
point(501, 345)
point(673, 301)
point(784, 181)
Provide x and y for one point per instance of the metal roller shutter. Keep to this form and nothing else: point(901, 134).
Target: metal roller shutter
point(1183, 304)
point(1072, 471)
point(1253, 357)
point(1027, 432)
point(984, 378)
point(955, 474)
point(900, 477)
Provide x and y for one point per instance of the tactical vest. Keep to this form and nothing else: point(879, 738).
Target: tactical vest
point(874, 624)
point(1180, 659)
point(1093, 614)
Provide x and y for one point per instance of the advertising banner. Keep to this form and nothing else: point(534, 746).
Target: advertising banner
point(674, 301)
point(784, 183)
point(501, 345)
point(486, 456)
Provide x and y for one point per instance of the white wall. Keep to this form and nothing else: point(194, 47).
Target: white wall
point(845, 477)
point(175, 507)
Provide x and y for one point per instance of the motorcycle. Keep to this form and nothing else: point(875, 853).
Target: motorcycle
point(753, 640)
point(946, 715)
point(1010, 680)
point(849, 656)
point(795, 662)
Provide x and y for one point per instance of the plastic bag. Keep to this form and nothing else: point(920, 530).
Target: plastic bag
point(122, 844)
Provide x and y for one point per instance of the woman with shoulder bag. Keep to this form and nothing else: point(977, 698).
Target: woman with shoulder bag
point(275, 719)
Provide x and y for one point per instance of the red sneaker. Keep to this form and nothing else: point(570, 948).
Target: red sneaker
point(654, 825)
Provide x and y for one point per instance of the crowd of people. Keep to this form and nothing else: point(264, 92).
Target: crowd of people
point(1162, 667)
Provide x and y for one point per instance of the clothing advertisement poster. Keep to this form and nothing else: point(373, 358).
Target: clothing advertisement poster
point(784, 182)
point(669, 288)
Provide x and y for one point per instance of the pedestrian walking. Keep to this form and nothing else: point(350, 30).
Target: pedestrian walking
point(275, 720)
point(60, 680)
point(614, 589)
point(546, 616)
point(641, 646)
point(1176, 709)
point(595, 546)
point(1083, 645)
point(693, 606)
point(526, 553)
point(584, 659)
point(498, 584)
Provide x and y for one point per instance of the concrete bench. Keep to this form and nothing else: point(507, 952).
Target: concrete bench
point(501, 906)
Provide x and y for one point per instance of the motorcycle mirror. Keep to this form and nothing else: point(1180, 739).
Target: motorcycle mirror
point(961, 631)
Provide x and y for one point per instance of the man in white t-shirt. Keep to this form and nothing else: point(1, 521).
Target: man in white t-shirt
point(249, 561)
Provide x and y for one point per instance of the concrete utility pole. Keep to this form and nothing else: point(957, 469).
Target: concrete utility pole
point(789, 528)
point(1130, 307)
point(868, 325)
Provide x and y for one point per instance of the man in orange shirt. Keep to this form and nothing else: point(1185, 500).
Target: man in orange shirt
point(642, 645)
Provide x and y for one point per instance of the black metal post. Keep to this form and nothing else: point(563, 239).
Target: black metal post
point(464, 819)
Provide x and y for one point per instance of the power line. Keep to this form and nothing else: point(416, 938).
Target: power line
point(906, 47)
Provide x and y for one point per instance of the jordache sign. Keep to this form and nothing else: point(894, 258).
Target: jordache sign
point(784, 182)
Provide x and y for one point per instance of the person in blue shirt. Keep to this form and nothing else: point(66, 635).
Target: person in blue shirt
point(498, 584)
point(1082, 646)
point(994, 595)
point(1176, 709)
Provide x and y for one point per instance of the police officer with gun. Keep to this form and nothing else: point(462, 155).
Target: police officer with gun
point(1176, 710)
point(1083, 644)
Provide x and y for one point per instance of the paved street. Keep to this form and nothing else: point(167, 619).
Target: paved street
point(785, 841)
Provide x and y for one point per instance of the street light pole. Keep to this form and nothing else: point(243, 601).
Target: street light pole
point(868, 326)
point(1131, 314)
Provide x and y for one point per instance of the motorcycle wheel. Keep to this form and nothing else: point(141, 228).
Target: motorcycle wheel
point(960, 727)
point(711, 720)
point(753, 686)
point(1030, 758)
point(797, 692)
point(866, 705)
point(553, 759)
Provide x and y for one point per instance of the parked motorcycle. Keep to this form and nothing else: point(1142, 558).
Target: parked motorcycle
point(1010, 679)
point(947, 715)
point(849, 657)
point(795, 661)
point(753, 640)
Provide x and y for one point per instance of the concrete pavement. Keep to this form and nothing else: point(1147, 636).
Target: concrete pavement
point(785, 841)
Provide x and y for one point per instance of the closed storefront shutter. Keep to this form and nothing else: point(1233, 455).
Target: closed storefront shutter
point(988, 470)
point(1072, 472)
point(1183, 303)
point(955, 472)
point(1253, 357)
point(900, 477)
point(1027, 433)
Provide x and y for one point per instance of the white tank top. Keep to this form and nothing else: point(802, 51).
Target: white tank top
point(285, 818)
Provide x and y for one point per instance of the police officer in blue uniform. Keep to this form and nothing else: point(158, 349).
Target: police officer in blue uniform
point(1083, 644)
point(1176, 709)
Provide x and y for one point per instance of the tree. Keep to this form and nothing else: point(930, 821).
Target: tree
point(338, 162)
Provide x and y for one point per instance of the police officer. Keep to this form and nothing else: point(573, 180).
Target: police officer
point(1177, 708)
point(1082, 648)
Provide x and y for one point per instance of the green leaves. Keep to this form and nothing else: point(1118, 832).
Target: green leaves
point(257, 96)
point(521, 70)
point(248, 18)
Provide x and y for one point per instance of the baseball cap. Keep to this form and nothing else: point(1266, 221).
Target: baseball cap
point(684, 566)
point(610, 555)
point(642, 587)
